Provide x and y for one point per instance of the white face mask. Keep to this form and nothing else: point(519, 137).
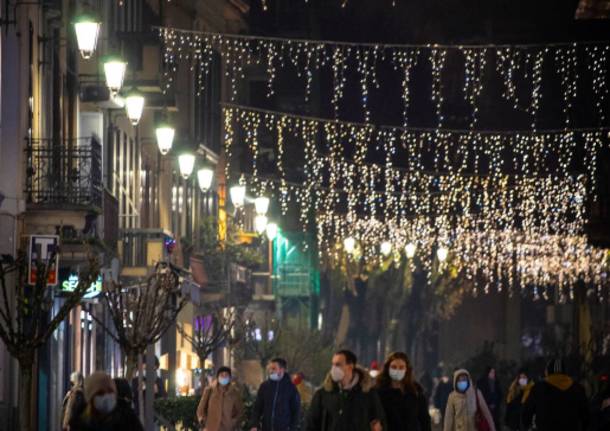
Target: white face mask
point(337, 374)
point(397, 375)
point(105, 403)
point(523, 381)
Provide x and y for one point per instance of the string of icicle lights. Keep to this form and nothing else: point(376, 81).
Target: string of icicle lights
point(409, 200)
point(522, 72)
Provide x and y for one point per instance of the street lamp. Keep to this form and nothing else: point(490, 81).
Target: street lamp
point(186, 161)
point(260, 223)
point(238, 195)
point(205, 176)
point(349, 244)
point(87, 29)
point(386, 248)
point(442, 253)
point(114, 70)
point(262, 205)
point(410, 250)
point(165, 137)
point(134, 104)
point(271, 231)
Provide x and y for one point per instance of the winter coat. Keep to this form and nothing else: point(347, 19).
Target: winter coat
point(73, 404)
point(492, 392)
point(277, 406)
point(462, 407)
point(406, 411)
point(441, 395)
point(122, 418)
point(514, 404)
point(220, 408)
point(558, 403)
point(354, 409)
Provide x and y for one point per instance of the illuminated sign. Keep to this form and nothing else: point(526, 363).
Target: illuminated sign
point(71, 283)
point(41, 249)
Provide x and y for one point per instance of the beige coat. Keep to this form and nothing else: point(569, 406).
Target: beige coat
point(461, 408)
point(220, 408)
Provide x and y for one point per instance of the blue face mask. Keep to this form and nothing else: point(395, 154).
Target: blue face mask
point(224, 381)
point(275, 377)
point(462, 385)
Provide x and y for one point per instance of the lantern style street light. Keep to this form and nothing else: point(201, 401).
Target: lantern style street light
point(386, 248)
point(260, 223)
point(165, 137)
point(238, 195)
point(442, 253)
point(134, 105)
point(349, 244)
point(205, 176)
point(271, 231)
point(87, 30)
point(262, 205)
point(114, 70)
point(186, 161)
point(410, 249)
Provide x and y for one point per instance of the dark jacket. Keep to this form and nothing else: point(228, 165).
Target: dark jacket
point(558, 403)
point(493, 396)
point(406, 411)
point(335, 409)
point(441, 395)
point(277, 406)
point(122, 418)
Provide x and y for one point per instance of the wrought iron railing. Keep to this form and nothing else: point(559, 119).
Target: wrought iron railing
point(64, 173)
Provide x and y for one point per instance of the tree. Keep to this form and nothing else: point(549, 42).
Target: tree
point(26, 319)
point(260, 341)
point(212, 331)
point(141, 313)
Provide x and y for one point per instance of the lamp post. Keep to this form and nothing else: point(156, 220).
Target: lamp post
point(349, 244)
point(442, 253)
point(87, 30)
point(238, 195)
point(262, 205)
point(114, 71)
point(271, 230)
point(410, 249)
point(165, 137)
point(186, 162)
point(205, 175)
point(134, 105)
point(260, 223)
point(386, 248)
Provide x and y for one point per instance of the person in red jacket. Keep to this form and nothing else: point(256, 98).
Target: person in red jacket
point(557, 403)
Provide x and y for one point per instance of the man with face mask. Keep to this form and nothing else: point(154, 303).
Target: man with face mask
point(100, 413)
point(278, 404)
point(347, 401)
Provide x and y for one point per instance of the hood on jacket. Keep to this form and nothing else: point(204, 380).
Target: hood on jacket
point(560, 381)
point(457, 374)
point(364, 380)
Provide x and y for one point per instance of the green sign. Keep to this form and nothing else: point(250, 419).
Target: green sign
point(71, 283)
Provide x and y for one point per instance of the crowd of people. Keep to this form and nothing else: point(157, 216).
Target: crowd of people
point(352, 398)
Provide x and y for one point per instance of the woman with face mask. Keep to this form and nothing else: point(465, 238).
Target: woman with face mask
point(221, 407)
point(403, 399)
point(517, 393)
point(465, 403)
point(101, 412)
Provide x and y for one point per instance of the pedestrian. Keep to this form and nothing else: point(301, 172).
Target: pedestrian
point(221, 407)
point(557, 402)
point(278, 405)
point(517, 392)
point(74, 401)
point(403, 399)
point(347, 401)
point(101, 412)
point(158, 387)
point(466, 406)
point(489, 386)
point(441, 394)
point(124, 404)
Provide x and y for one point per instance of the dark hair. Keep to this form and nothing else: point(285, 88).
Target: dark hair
point(223, 370)
point(350, 357)
point(556, 366)
point(385, 381)
point(123, 389)
point(280, 361)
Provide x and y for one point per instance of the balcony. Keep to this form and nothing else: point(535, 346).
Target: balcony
point(64, 175)
point(140, 249)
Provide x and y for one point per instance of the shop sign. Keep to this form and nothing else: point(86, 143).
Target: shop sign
point(41, 248)
point(71, 283)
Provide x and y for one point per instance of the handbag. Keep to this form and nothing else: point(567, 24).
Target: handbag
point(480, 421)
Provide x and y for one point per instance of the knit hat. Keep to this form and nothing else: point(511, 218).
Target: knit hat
point(97, 382)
